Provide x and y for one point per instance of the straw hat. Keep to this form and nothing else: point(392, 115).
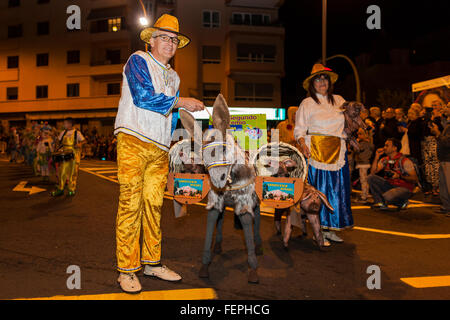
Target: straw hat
point(317, 69)
point(167, 23)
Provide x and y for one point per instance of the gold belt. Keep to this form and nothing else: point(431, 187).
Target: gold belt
point(325, 149)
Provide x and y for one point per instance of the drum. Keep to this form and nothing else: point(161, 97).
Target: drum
point(62, 156)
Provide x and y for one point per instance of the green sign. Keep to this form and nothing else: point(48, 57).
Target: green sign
point(249, 130)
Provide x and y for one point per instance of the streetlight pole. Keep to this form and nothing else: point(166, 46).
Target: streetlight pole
point(324, 31)
point(355, 71)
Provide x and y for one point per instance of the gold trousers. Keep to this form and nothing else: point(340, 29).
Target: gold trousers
point(67, 171)
point(142, 174)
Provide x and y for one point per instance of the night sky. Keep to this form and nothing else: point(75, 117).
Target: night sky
point(422, 26)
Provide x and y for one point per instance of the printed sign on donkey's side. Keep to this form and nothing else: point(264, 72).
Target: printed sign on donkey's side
point(250, 130)
point(277, 191)
point(189, 188)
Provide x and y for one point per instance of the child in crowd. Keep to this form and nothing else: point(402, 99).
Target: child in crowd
point(362, 160)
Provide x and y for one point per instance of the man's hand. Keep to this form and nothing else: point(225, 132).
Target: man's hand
point(379, 152)
point(190, 104)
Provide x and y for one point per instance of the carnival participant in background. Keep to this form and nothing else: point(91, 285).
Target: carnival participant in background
point(69, 142)
point(286, 134)
point(44, 151)
point(319, 130)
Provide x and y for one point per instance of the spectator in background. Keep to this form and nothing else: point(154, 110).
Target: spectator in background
point(14, 144)
point(414, 130)
point(429, 149)
point(400, 116)
point(362, 159)
point(399, 180)
point(443, 151)
point(389, 127)
point(375, 117)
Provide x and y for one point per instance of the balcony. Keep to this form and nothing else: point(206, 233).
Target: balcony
point(9, 75)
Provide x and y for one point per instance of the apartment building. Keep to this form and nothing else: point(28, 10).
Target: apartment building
point(48, 72)
point(237, 49)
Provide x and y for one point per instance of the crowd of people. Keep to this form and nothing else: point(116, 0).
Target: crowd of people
point(21, 144)
point(401, 152)
point(416, 131)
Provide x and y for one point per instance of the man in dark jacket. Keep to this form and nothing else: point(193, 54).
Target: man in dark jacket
point(389, 128)
point(443, 140)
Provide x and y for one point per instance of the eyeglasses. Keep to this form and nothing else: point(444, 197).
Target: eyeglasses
point(166, 38)
point(322, 78)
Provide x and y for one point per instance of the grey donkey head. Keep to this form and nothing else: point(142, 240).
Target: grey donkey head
point(217, 146)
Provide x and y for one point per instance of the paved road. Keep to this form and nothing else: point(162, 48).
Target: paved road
point(41, 236)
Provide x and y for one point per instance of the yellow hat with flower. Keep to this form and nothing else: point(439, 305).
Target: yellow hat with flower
point(167, 23)
point(317, 69)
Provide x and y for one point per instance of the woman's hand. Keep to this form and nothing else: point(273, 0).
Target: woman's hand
point(304, 148)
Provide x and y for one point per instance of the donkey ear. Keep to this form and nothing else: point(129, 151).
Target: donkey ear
point(189, 123)
point(221, 115)
point(325, 200)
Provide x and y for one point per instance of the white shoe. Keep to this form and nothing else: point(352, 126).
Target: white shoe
point(129, 282)
point(330, 235)
point(161, 272)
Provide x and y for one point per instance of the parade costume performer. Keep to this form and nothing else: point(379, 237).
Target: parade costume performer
point(69, 141)
point(144, 125)
point(286, 134)
point(44, 150)
point(319, 130)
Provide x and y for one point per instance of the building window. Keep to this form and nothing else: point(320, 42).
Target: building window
point(12, 93)
point(247, 52)
point(73, 56)
point(211, 19)
point(251, 19)
point(211, 54)
point(42, 59)
point(15, 31)
point(41, 92)
point(13, 3)
point(253, 91)
point(13, 62)
point(114, 25)
point(113, 89)
point(73, 90)
point(210, 92)
point(43, 28)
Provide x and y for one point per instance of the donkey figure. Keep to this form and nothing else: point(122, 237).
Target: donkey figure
point(310, 201)
point(232, 184)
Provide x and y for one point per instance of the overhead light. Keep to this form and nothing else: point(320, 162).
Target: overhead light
point(143, 21)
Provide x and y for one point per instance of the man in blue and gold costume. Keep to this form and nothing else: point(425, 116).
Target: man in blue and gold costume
point(145, 122)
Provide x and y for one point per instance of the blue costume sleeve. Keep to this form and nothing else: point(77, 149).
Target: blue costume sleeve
point(174, 117)
point(142, 89)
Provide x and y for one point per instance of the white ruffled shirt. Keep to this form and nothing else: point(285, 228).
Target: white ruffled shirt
point(324, 119)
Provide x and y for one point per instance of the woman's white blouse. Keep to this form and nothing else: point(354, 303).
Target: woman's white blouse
point(323, 118)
